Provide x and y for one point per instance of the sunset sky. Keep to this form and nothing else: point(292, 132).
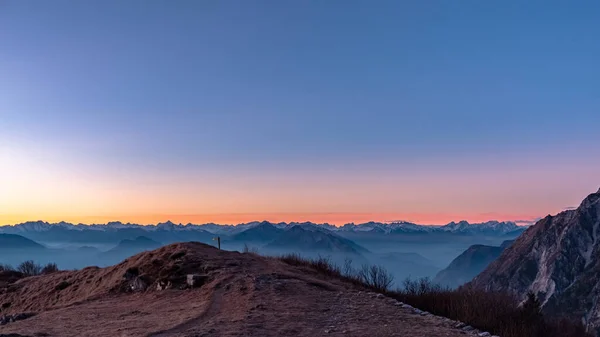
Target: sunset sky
point(329, 111)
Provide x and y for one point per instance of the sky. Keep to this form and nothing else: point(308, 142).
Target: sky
point(328, 111)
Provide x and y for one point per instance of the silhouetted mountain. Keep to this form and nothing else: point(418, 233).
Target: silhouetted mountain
point(14, 242)
point(139, 242)
point(169, 236)
point(67, 234)
point(300, 239)
point(115, 231)
point(15, 249)
point(467, 265)
point(311, 225)
point(106, 234)
point(559, 260)
point(264, 232)
point(130, 247)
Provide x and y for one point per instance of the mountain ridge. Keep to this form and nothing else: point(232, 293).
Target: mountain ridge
point(18, 242)
point(469, 264)
point(558, 259)
point(300, 238)
point(462, 227)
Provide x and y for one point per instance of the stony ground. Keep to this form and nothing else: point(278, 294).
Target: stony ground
point(248, 296)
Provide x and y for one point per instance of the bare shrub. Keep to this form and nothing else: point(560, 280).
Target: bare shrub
point(6, 267)
point(294, 259)
point(324, 264)
point(249, 250)
point(496, 312)
point(29, 268)
point(532, 308)
point(420, 287)
point(376, 277)
point(348, 269)
point(49, 268)
point(321, 265)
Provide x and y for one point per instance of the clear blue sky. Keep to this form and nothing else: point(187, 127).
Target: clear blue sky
point(189, 87)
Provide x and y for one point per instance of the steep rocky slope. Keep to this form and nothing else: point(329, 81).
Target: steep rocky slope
point(558, 259)
point(238, 295)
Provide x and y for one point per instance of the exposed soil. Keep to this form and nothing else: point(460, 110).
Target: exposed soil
point(244, 295)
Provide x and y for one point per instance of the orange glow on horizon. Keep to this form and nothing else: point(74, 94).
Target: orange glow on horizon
point(31, 189)
point(337, 219)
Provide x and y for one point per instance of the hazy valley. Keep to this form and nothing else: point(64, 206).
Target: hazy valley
point(406, 249)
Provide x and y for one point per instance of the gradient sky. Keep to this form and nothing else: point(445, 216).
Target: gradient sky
point(338, 111)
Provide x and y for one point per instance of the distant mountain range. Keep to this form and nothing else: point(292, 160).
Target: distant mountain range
point(110, 233)
point(406, 249)
point(558, 259)
point(462, 227)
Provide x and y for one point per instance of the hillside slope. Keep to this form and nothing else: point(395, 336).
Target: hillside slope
point(242, 294)
point(559, 260)
point(469, 264)
point(17, 242)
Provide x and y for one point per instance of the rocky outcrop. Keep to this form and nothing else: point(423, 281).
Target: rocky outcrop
point(559, 260)
point(195, 280)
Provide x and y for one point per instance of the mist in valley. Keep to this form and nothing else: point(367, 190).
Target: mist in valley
point(404, 255)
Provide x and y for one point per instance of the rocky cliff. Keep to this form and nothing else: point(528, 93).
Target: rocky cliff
point(558, 259)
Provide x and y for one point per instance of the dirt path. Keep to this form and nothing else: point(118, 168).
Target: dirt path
point(284, 305)
point(213, 309)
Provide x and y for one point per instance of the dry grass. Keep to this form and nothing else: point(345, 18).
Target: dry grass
point(495, 312)
point(29, 268)
point(376, 278)
point(249, 250)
